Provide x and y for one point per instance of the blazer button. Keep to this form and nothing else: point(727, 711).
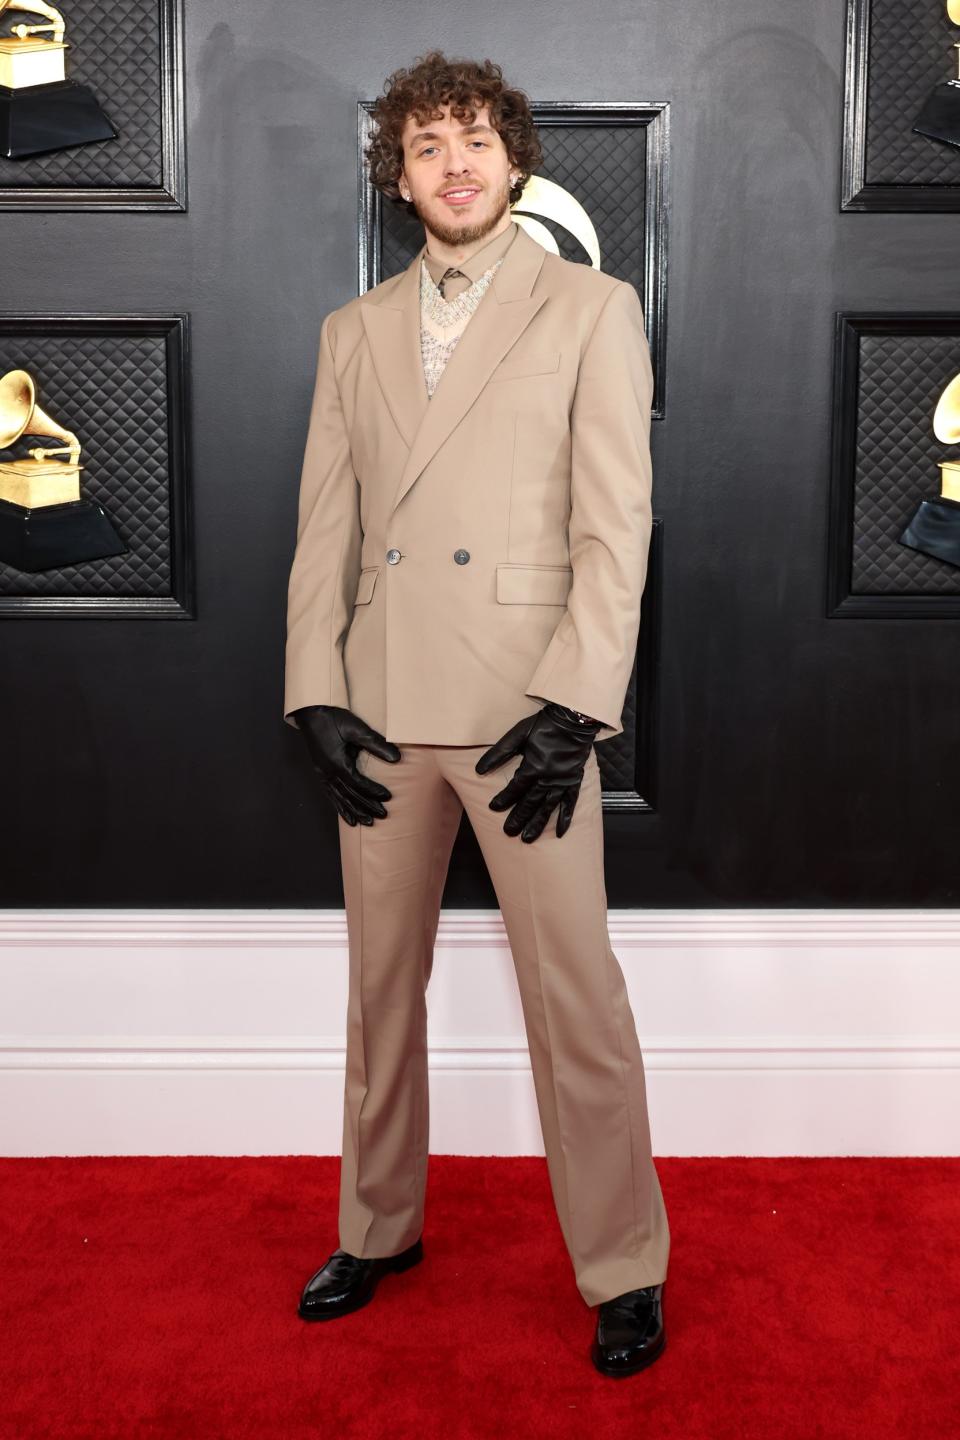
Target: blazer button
point(392, 557)
point(461, 556)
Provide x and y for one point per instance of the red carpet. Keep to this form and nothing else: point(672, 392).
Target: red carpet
point(156, 1297)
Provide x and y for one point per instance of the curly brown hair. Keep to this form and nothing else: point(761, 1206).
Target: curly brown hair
point(435, 80)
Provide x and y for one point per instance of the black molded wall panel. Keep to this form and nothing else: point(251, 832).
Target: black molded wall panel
point(800, 758)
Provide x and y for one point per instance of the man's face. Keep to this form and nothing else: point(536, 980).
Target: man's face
point(446, 155)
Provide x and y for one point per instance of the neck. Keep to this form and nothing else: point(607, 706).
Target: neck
point(438, 249)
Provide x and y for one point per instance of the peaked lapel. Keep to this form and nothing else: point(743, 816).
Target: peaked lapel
point(392, 326)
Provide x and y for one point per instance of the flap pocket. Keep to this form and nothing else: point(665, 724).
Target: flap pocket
point(533, 584)
point(534, 362)
point(368, 578)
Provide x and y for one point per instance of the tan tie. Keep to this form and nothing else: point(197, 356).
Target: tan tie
point(453, 282)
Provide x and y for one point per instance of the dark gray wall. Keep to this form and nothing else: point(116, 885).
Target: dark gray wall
point(802, 761)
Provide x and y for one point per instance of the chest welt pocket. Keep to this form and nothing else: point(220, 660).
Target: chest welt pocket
point(368, 578)
point(533, 362)
point(533, 584)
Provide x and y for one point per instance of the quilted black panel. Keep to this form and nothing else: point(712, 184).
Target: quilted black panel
point(901, 378)
point(115, 50)
point(604, 166)
point(618, 757)
point(111, 391)
point(910, 52)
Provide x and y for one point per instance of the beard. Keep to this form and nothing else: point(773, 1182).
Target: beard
point(466, 234)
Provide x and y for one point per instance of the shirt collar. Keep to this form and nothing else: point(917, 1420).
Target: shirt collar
point(476, 264)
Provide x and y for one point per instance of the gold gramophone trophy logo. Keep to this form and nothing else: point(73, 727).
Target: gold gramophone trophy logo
point(935, 526)
point(40, 109)
point(44, 523)
point(542, 197)
point(940, 116)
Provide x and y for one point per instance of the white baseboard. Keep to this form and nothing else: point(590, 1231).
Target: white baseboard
point(764, 1032)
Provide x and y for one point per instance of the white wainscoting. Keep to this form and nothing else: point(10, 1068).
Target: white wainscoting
point(764, 1032)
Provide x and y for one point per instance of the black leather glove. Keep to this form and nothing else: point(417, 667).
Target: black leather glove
point(555, 746)
point(334, 737)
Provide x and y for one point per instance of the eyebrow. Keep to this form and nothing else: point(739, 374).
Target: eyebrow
point(432, 134)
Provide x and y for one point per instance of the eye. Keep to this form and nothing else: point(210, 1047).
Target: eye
point(428, 148)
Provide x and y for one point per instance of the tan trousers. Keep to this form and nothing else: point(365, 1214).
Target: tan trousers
point(586, 1060)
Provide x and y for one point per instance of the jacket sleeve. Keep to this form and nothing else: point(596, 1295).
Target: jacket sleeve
point(589, 660)
point(326, 563)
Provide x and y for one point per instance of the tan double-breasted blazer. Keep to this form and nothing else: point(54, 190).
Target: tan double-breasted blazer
point(463, 558)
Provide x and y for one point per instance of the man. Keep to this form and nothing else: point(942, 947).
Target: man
point(472, 542)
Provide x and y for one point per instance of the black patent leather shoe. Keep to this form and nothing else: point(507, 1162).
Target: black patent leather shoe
point(347, 1283)
point(630, 1333)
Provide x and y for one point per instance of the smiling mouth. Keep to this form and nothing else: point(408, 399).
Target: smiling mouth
point(460, 197)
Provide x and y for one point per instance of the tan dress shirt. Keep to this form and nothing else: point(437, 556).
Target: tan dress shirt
point(472, 268)
point(449, 295)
